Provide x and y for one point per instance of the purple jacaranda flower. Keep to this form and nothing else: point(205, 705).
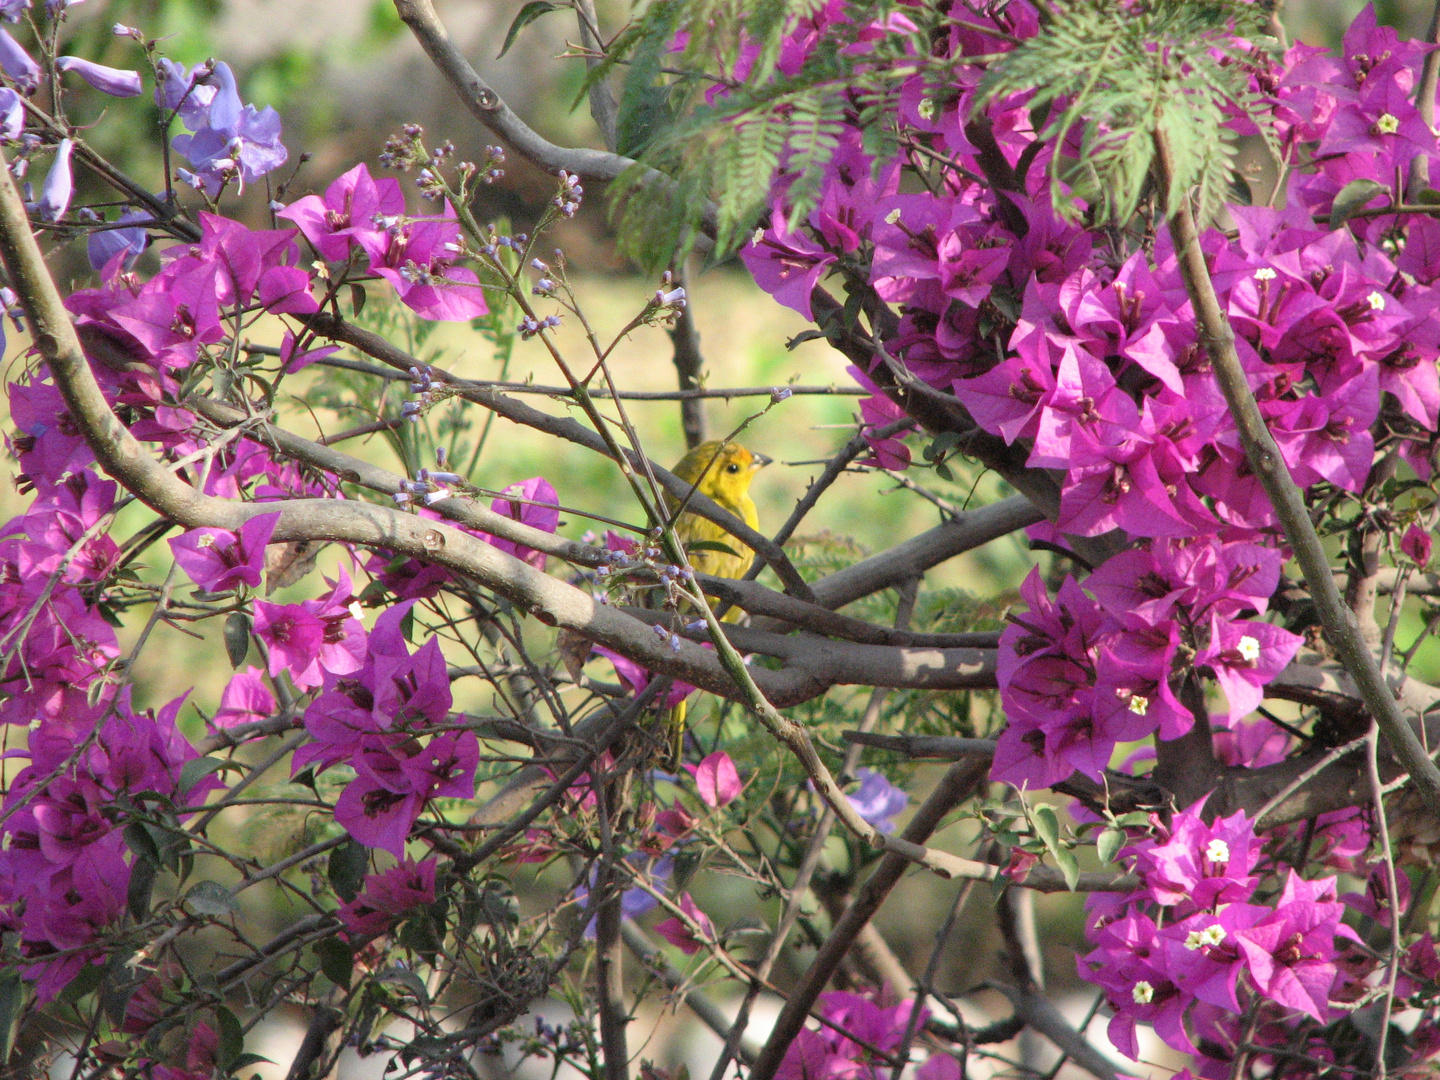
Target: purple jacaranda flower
point(244, 700)
point(680, 935)
point(1291, 952)
point(229, 140)
point(386, 897)
point(531, 502)
point(1199, 865)
point(877, 800)
point(116, 82)
point(59, 184)
point(12, 10)
point(354, 209)
point(103, 246)
point(12, 114)
point(219, 560)
point(786, 264)
point(17, 63)
point(716, 779)
point(174, 90)
point(293, 635)
point(635, 901)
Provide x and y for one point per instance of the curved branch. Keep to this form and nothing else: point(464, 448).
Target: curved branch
point(570, 430)
point(490, 109)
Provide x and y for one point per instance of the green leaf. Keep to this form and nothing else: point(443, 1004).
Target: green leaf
point(231, 1039)
point(1108, 845)
point(142, 882)
point(712, 545)
point(357, 298)
point(1069, 866)
point(12, 1003)
point(407, 625)
point(528, 14)
point(196, 769)
point(1351, 198)
point(346, 869)
point(139, 840)
point(408, 981)
point(237, 637)
point(211, 898)
point(337, 960)
point(1047, 826)
point(1429, 197)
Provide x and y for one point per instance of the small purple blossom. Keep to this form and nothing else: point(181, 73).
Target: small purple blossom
point(108, 80)
point(59, 184)
point(877, 800)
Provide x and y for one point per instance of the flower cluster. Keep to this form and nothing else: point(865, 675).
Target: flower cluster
point(388, 722)
point(66, 864)
point(1203, 944)
point(1083, 355)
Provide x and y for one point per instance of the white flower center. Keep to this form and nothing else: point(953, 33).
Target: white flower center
point(1248, 648)
point(1376, 300)
point(1217, 851)
point(1265, 273)
point(757, 236)
point(1143, 993)
point(205, 540)
point(1139, 704)
point(928, 108)
point(1387, 124)
point(1211, 935)
point(893, 216)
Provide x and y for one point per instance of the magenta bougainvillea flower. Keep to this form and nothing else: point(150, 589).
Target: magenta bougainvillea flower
point(386, 897)
point(219, 560)
point(680, 935)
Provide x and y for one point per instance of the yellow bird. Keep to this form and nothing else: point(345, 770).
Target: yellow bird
point(723, 471)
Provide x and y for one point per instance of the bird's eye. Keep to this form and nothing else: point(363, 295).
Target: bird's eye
point(732, 467)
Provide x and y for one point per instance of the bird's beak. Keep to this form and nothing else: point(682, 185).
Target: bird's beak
point(759, 461)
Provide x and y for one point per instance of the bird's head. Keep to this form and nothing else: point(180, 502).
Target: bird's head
point(722, 471)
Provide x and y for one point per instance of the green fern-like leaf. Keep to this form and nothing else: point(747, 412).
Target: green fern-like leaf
point(1123, 77)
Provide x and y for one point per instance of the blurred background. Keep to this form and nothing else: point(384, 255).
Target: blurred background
point(345, 75)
